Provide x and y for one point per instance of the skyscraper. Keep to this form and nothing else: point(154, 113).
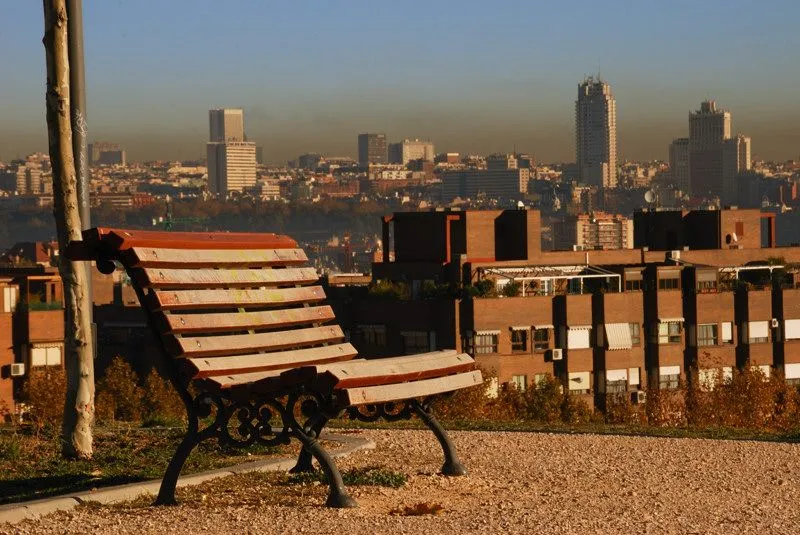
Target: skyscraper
point(231, 160)
point(226, 124)
point(372, 149)
point(679, 163)
point(715, 158)
point(596, 133)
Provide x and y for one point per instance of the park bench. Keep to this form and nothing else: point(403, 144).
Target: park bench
point(251, 348)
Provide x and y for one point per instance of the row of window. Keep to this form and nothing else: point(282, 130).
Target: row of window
point(413, 341)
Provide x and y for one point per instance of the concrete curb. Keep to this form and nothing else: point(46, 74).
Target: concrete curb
point(16, 512)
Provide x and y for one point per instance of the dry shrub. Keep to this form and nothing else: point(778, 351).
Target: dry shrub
point(418, 509)
point(119, 396)
point(544, 402)
point(666, 408)
point(5, 412)
point(161, 403)
point(620, 410)
point(748, 400)
point(44, 393)
point(465, 404)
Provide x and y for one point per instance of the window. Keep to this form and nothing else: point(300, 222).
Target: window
point(669, 284)
point(580, 382)
point(707, 335)
point(373, 334)
point(633, 286)
point(415, 342)
point(579, 337)
point(519, 340)
point(791, 372)
point(758, 332)
point(669, 332)
point(669, 377)
point(636, 333)
point(541, 339)
point(616, 381)
point(791, 329)
point(45, 355)
point(520, 382)
point(727, 332)
point(485, 343)
point(10, 298)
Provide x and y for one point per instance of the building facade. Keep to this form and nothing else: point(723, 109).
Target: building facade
point(226, 124)
point(596, 133)
point(410, 150)
point(599, 230)
point(494, 183)
point(679, 163)
point(230, 159)
point(372, 149)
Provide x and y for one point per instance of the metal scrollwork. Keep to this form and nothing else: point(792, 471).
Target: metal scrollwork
point(247, 423)
point(391, 412)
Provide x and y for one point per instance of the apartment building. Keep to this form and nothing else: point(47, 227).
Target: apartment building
point(601, 321)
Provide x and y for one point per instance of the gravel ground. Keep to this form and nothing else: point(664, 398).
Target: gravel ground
point(518, 483)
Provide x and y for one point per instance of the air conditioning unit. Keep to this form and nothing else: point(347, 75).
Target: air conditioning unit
point(774, 323)
point(638, 397)
point(556, 354)
point(17, 369)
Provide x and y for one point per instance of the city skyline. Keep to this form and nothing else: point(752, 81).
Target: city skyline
point(480, 79)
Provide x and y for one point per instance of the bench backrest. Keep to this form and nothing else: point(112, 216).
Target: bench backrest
point(227, 303)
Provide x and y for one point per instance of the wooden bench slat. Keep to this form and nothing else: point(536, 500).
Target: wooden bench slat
point(408, 390)
point(231, 344)
point(362, 372)
point(211, 258)
point(233, 298)
point(280, 360)
point(222, 278)
point(241, 321)
point(122, 239)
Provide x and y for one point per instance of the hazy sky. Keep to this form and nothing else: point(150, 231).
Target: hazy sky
point(471, 75)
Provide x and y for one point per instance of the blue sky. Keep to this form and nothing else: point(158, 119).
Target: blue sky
point(473, 76)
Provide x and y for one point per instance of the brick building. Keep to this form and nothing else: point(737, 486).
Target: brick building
point(601, 321)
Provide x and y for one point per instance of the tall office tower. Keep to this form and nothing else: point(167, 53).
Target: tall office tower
point(409, 150)
point(735, 160)
point(709, 128)
point(679, 163)
point(372, 149)
point(596, 133)
point(226, 124)
point(231, 160)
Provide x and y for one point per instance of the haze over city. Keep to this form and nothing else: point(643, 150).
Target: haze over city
point(473, 77)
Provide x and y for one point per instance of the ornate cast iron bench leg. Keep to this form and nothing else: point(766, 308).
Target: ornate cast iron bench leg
point(337, 497)
point(452, 465)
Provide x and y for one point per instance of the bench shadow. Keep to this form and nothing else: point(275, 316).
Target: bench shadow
point(35, 488)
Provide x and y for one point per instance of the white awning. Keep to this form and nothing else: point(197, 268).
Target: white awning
point(669, 370)
point(543, 326)
point(727, 331)
point(580, 381)
point(617, 375)
point(480, 333)
point(791, 371)
point(578, 338)
point(520, 327)
point(576, 327)
point(618, 336)
point(670, 320)
point(758, 329)
point(791, 330)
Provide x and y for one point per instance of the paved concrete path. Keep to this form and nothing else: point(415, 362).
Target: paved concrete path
point(16, 512)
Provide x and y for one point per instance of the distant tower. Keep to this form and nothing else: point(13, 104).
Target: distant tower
point(226, 125)
point(596, 133)
point(372, 148)
point(231, 160)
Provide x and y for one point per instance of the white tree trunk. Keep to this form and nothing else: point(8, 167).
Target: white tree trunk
point(78, 356)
